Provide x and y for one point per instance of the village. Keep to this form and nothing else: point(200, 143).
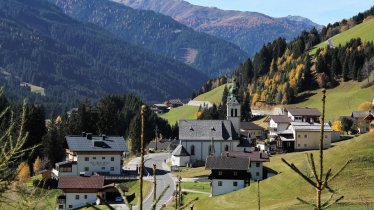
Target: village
point(228, 154)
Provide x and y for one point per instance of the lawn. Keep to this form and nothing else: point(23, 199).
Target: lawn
point(134, 186)
point(213, 96)
point(192, 172)
point(181, 113)
point(187, 199)
point(340, 101)
point(364, 30)
point(356, 182)
point(197, 186)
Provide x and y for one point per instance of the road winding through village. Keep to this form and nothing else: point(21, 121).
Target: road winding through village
point(163, 178)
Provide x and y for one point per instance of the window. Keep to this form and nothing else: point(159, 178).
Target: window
point(85, 196)
point(219, 173)
point(86, 158)
point(86, 169)
point(235, 184)
point(112, 159)
point(102, 168)
point(219, 183)
point(257, 164)
point(70, 206)
point(76, 197)
point(298, 145)
point(298, 136)
point(103, 158)
point(305, 145)
point(325, 136)
point(61, 207)
point(111, 168)
point(232, 113)
point(94, 158)
point(227, 148)
point(257, 173)
point(235, 173)
point(236, 112)
point(305, 136)
point(192, 149)
point(65, 169)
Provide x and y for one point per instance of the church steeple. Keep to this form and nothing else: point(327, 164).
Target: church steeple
point(233, 107)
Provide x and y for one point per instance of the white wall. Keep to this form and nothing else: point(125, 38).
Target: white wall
point(227, 186)
point(202, 147)
point(256, 172)
point(180, 160)
point(74, 172)
point(95, 165)
point(70, 199)
point(279, 126)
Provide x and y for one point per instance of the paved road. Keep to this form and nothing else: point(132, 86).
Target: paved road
point(329, 41)
point(163, 178)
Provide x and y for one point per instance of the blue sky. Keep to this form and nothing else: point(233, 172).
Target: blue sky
point(319, 11)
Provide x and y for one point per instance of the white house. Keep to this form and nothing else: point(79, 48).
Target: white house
point(277, 124)
point(233, 170)
point(88, 154)
point(307, 136)
point(180, 156)
point(79, 190)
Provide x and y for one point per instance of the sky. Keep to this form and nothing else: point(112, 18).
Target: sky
point(319, 11)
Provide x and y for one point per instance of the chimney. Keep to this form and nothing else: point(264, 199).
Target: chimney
point(83, 134)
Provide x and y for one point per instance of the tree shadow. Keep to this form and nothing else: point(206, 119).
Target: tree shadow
point(303, 97)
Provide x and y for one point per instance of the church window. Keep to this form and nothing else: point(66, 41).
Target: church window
point(232, 112)
point(227, 148)
point(236, 112)
point(192, 149)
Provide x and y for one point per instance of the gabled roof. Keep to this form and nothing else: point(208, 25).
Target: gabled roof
point(304, 111)
point(81, 182)
point(278, 119)
point(250, 126)
point(369, 116)
point(206, 130)
point(96, 143)
point(163, 144)
point(254, 156)
point(357, 114)
point(180, 151)
point(227, 163)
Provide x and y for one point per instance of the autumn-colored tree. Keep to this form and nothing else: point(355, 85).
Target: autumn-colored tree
point(37, 166)
point(337, 126)
point(23, 172)
point(365, 106)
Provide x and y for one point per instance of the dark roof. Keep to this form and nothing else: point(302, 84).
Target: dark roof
point(227, 163)
point(175, 101)
point(304, 111)
point(254, 156)
point(369, 116)
point(360, 114)
point(81, 182)
point(206, 130)
point(66, 163)
point(164, 144)
point(97, 143)
point(250, 126)
point(279, 118)
point(180, 151)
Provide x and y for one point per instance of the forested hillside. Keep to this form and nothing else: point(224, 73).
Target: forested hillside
point(281, 70)
point(70, 60)
point(159, 33)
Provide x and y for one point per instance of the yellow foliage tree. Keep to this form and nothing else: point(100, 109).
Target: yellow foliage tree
point(23, 172)
point(365, 106)
point(337, 126)
point(37, 166)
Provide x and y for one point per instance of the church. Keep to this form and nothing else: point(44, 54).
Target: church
point(203, 138)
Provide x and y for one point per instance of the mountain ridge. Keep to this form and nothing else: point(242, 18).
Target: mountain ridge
point(248, 30)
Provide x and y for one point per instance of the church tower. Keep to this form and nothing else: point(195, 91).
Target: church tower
point(233, 108)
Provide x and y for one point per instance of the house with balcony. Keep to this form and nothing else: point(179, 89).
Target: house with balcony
point(310, 115)
point(88, 155)
point(277, 124)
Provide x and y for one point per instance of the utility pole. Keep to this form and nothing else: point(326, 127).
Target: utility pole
point(258, 194)
point(154, 185)
point(180, 189)
point(156, 138)
point(142, 112)
point(176, 196)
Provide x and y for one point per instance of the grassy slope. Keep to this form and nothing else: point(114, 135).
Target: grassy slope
point(213, 96)
point(180, 113)
point(356, 182)
point(341, 101)
point(189, 112)
point(364, 30)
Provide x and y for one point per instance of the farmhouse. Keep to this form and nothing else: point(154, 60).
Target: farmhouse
point(251, 130)
point(87, 154)
point(277, 124)
point(370, 121)
point(80, 190)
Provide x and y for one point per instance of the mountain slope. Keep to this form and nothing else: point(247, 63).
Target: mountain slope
point(356, 182)
point(158, 33)
point(249, 30)
point(70, 60)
